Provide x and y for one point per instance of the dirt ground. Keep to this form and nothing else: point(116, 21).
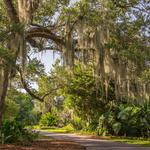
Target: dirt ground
point(45, 145)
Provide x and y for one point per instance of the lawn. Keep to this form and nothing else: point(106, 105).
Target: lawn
point(67, 129)
point(133, 140)
point(57, 130)
point(129, 140)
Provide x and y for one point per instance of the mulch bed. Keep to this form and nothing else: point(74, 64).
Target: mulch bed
point(45, 145)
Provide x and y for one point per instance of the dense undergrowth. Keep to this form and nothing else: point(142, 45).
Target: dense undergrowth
point(15, 132)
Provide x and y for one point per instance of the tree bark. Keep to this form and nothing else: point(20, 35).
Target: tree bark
point(4, 80)
point(100, 55)
point(68, 48)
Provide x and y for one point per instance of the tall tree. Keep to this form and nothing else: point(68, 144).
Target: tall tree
point(112, 35)
point(20, 32)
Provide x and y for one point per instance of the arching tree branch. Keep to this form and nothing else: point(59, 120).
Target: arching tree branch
point(36, 44)
point(45, 33)
point(31, 93)
point(25, 86)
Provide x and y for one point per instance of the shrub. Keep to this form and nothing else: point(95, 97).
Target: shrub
point(13, 131)
point(126, 120)
point(77, 123)
point(48, 120)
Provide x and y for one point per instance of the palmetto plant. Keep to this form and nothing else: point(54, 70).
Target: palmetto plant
point(126, 119)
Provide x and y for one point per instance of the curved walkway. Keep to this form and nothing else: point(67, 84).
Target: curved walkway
point(93, 144)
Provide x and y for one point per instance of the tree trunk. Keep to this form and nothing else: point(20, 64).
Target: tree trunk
point(68, 49)
point(4, 79)
point(100, 55)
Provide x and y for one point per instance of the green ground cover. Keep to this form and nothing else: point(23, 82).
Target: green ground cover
point(133, 140)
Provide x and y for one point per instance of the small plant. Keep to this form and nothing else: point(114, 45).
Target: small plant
point(1, 138)
point(48, 120)
point(77, 123)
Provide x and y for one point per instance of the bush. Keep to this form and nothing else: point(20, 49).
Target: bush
point(48, 120)
point(12, 132)
point(126, 120)
point(77, 123)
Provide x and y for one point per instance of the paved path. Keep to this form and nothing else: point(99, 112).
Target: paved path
point(93, 144)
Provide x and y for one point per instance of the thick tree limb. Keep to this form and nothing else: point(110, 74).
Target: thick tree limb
point(12, 13)
point(36, 44)
point(28, 90)
point(50, 92)
point(45, 33)
point(25, 86)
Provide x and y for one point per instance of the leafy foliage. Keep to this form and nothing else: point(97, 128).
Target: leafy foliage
point(12, 131)
point(74, 95)
point(86, 110)
point(126, 119)
point(48, 120)
point(20, 107)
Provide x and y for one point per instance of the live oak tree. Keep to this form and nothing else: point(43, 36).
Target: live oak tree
point(113, 35)
point(16, 24)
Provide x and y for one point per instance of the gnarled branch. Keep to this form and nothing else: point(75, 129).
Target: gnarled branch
point(36, 44)
point(45, 33)
point(31, 93)
point(25, 86)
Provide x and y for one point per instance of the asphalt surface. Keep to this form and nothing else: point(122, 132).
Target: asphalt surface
point(93, 144)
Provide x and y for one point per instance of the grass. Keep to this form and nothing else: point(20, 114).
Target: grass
point(57, 130)
point(145, 142)
point(66, 129)
point(137, 141)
